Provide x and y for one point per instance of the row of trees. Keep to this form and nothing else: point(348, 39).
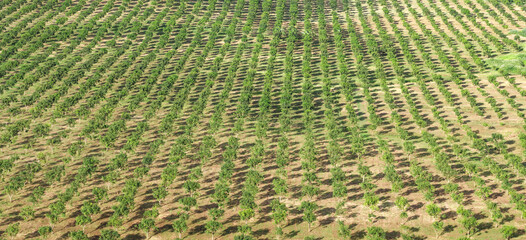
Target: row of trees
point(442, 165)
point(454, 190)
point(251, 189)
point(11, 7)
point(501, 8)
point(27, 79)
point(11, 38)
point(280, 184)
point(74, 78)
point(222, 186)
point(509, 5)
point(447, 62)
point(473, 18)
point(310, 182)
point(332, 113)
point(258, 151)
point(192, 183)
point(441, 162)
point(86, 86)
point(191, 78)
point(10, 35)
point(178, 152)
point(83, 218)
point(119, 126)
point(166, 86)
point(169, 174)
point(121, 69)
point(50, 99)
point(247, 203)
point(105, 112)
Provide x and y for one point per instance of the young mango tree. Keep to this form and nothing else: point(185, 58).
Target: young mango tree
point(78, 235)
point(402, 203)
point(147, 225)
point(375, 233)
point(12, 230)
point(508, 231)
point(371, 200)
point(44, 231)
point(279, 215)
point(179, 225)
point(309, 216)
point(109, 234)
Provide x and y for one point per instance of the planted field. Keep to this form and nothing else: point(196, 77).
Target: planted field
point(262, 119)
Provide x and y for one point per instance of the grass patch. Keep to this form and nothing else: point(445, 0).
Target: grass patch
point(511, 63)
point(521, 33)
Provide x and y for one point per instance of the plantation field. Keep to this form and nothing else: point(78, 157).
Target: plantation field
point(262, 119)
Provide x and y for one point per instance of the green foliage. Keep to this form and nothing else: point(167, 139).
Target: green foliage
point(147, 225)
point(27, 213)
point(279, 211)
point(13, 229)
point(371, 200)
point(246, 214)
point(512, 63)
point(57, 210)
point(467, 221)
point(508, 231)
point(191, 186)
point(343, 230)
point(308, 209)
point(6, 165)
point(364, 171)
point(41, 130)
point(519, 32)
point(180, 224)
point(434, 211)
point(44, 231)
point(342, 76)
point(438, 226)
point(78, 235)
point(55, 174)
point(280, 186)
point(188, 202)
point(109, 234)
point(213, 227)
point(375, 233)
point(82, 220)
point(89, 208)
point(160, 193)
point(99, 193)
